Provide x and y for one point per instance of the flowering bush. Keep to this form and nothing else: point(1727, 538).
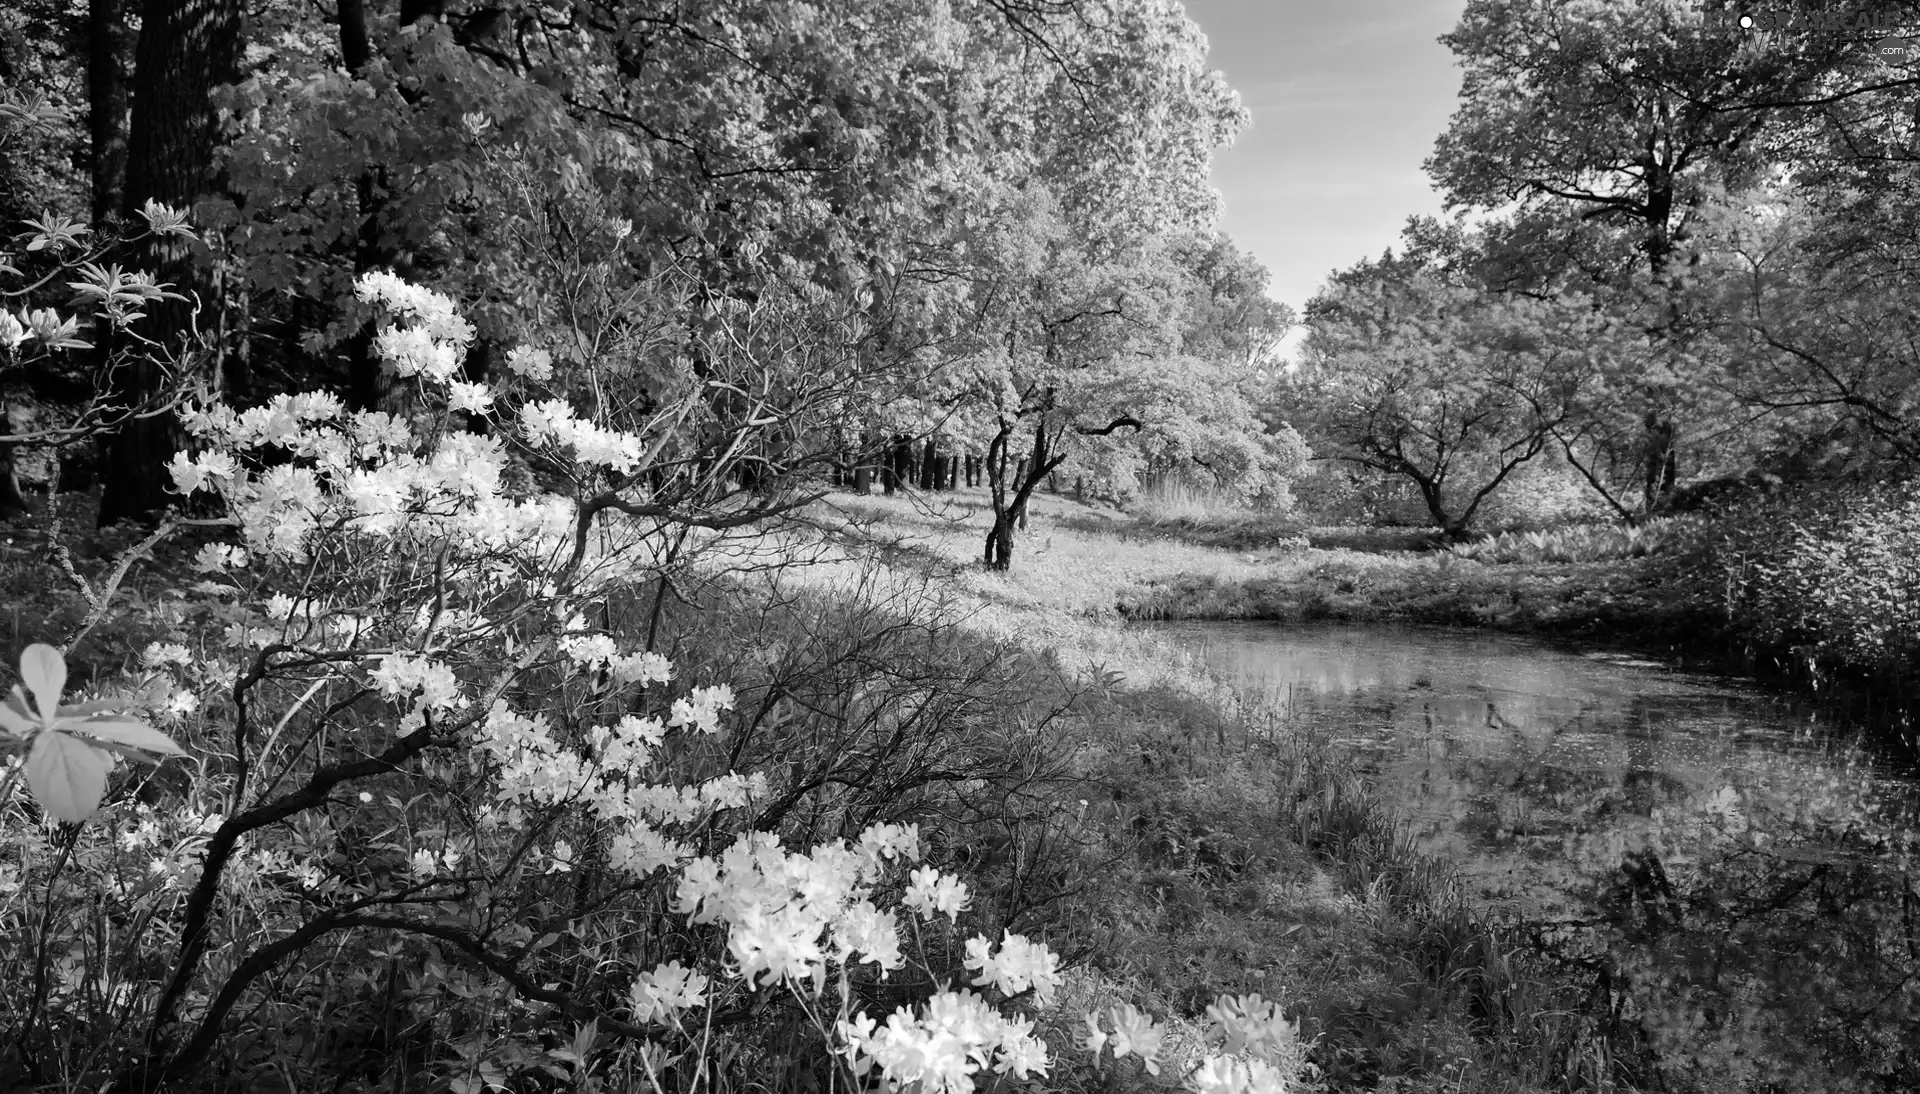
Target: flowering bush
point(66, 313)
point(421, 730)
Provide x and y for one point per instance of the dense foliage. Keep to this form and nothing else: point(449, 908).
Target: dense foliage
point(1696, 229)
point(460, 364)
point(993, 220)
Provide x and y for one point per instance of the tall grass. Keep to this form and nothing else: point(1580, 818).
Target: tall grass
point(1175, 497)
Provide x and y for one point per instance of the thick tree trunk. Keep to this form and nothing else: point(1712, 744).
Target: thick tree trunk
point(999, 555)
point(356, 44)
point(369, 385)
point(930, 466)
point(108, 39)
point(1659, 216)
point(187, 48)
point(1435, 499)
point(899, 466)
point(1661, 453)
point(863, 465)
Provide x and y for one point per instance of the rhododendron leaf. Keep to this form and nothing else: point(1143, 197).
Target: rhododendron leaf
point(128, 733)
point(92, 706)
point(67, 776)
point(14, 717)
point(45, 673)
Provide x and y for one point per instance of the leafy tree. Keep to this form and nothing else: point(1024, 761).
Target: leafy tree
point(1090, 343)
point(1819, 318)
point(1614, 126)
point(1444, 384)
point(1634, 112)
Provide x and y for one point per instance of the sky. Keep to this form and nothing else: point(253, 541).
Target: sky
point(1347, 97)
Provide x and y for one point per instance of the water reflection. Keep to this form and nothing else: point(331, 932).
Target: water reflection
point(1501, 751)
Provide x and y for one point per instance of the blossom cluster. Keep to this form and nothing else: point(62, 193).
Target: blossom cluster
point(1133, 1034)
point(553, 421)
point(1260, 1052)
point(955, 1035)
point(531, 767)
point(1250, 1025)
point(531, 362)
point(663, 993)
point(369, 471)
point(44, 324)
point(1018, 966)
point(789, 915)
point(932, 893)
point(598, 651)
point(435, 341)
point(787, 912)
point(1227, 1075)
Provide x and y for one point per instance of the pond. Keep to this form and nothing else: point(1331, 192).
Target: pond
point(1744, 869)
point(1499, 749)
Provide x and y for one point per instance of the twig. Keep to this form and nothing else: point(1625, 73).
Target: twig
point(114, 578)
point(56, 549)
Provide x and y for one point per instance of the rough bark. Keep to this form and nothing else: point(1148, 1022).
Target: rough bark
point(107, 47)
point(187, 48)
point(369, 386)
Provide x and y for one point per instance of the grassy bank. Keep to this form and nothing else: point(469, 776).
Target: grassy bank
point(1089, 562)
point(1231, 850)
point(1650, 601)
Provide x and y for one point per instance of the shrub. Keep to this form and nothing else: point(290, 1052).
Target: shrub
point(447, 788)
point(1587, 542)
point(1832, 583)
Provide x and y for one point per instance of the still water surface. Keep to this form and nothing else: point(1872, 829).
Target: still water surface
point(1525, 764)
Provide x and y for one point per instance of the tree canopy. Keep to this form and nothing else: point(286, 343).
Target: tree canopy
point(986, 220)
